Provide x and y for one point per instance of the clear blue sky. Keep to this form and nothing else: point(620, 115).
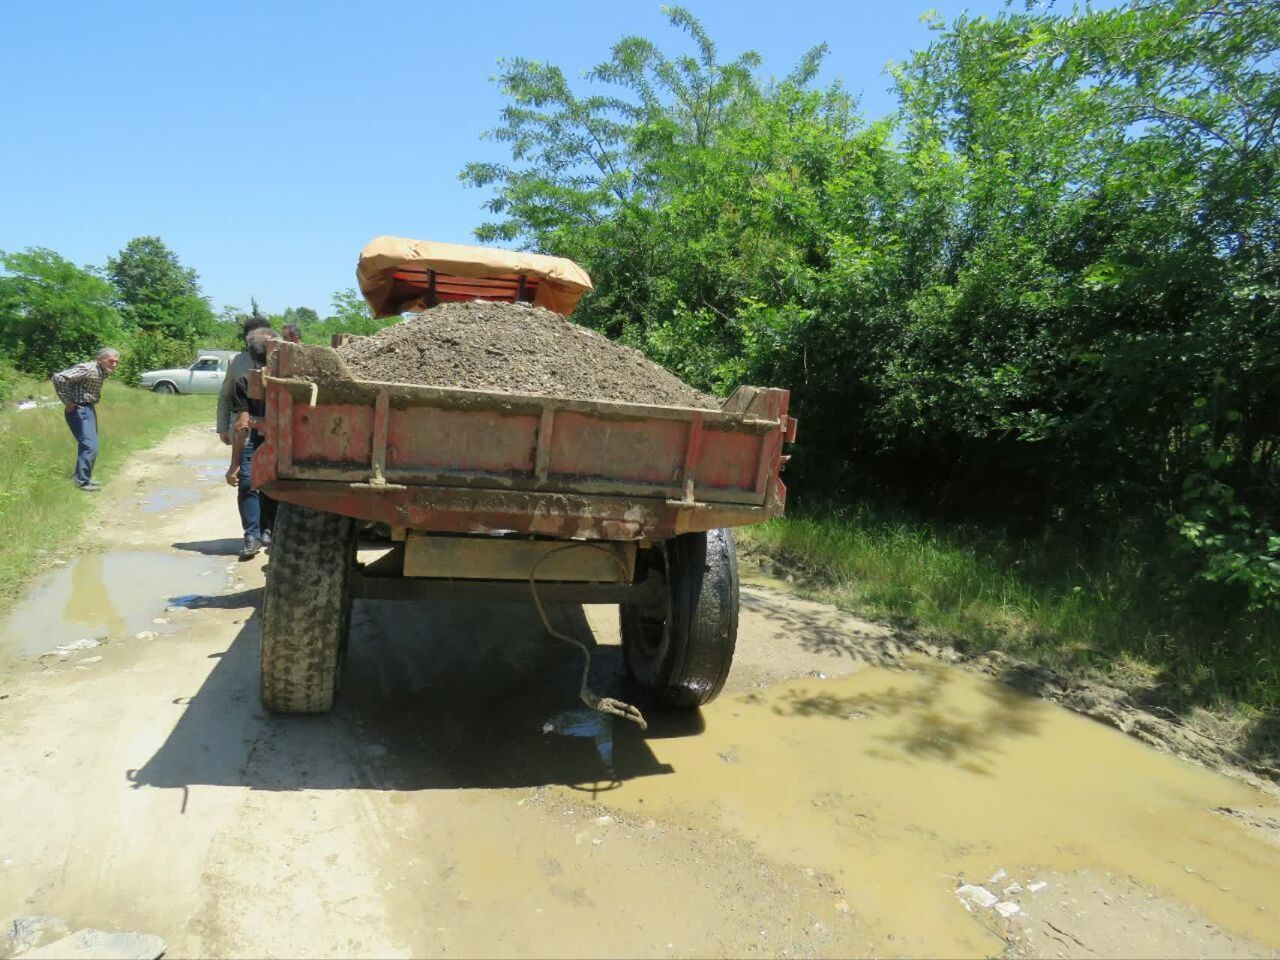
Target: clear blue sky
point(267, 142)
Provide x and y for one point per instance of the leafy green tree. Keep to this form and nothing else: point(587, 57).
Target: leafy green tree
point(304, 317)
point(225, 333)
point(579, 159)
point(351, 315)
point(52, 313)
point(230, 314)
point(1106, 283)
point(1047, 290)
point(156, 293)
point(704, 202)
point(601, 177)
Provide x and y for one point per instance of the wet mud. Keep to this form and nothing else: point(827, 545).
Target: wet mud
point(166, 498)
point(210, 469)
point(104, 596)
point(906, 785)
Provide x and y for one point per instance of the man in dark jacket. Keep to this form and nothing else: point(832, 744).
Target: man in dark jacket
point(239, 366)
point(257, 510)
point(80, 388)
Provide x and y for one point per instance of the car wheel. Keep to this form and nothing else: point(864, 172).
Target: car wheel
point(164, 388)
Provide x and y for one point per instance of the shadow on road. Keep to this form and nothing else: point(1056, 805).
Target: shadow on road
point(828, 632)
point(239, 600)
point(227, 547)
point(433, 697)
point(932, 728)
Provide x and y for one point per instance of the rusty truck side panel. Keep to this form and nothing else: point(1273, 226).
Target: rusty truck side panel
point(469, 461)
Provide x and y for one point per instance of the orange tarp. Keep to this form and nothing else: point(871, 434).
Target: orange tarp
point(399, 276)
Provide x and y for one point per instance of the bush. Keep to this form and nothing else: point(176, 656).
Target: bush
point(8, 379)
point(152, 351)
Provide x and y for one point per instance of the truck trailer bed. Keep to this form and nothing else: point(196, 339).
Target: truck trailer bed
point(451, 460)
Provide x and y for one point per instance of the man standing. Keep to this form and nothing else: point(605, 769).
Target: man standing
point(257, 510)
point(246, 497)
point(239, 366)
point(80, 389)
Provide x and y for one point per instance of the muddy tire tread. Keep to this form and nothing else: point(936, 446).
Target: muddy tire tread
point(306, 609)
point(702, 626)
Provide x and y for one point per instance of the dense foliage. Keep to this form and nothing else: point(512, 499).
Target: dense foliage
point(1046, 291)
point(53, 313)
point(156, 294)
point(144, 303)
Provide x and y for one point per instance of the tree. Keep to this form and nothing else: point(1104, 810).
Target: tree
point(1046, 291)
point(156, 293)
point(580, 159)
point(704, 202)
point(352, 315)
point(302, 316)
point(1100, 301)
point(230, 314)
point(52, 313)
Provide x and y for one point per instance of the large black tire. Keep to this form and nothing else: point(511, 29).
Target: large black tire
point(682, 655)
point(164, 387)
point(306, 609)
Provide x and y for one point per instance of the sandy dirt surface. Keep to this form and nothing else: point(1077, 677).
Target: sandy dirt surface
point(512, 347)
point(844, 797)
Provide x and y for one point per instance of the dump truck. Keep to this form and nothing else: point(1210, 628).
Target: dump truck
point(490, 494)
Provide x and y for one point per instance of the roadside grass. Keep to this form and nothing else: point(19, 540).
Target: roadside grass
point(1043, 601)
point(40, 509)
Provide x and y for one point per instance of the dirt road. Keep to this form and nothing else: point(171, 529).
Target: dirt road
point(837, 800)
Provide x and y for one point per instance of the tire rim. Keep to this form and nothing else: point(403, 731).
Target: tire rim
point(654, 633)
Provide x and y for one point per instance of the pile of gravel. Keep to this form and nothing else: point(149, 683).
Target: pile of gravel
point(514, 348)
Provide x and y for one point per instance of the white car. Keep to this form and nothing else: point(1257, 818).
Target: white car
point(203, 376)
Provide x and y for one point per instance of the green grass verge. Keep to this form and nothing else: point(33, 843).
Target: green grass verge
point(1042, 601)
point(40, 509)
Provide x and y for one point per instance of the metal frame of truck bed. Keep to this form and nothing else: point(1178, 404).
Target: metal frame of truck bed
point(467, 461)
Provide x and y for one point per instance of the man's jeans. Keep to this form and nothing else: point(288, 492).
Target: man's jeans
point(257, 510)
point(83, 421)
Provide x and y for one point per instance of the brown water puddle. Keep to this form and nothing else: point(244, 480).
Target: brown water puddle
point(755, 572)
point(903, 784)
point(111, 594)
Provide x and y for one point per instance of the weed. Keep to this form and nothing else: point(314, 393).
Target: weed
point(1047, 600)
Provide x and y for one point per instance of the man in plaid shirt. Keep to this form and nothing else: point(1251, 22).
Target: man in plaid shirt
point(80, 389)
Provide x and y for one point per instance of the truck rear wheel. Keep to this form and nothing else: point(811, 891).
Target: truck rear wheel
point(306, 609)
point(682, 655)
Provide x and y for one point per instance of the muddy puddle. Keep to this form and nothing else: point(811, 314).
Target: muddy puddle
point(904, 786)
point(209, 469)
point(166, 498)
point(114, 594)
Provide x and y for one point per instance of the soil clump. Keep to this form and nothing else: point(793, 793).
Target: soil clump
point(515, 348)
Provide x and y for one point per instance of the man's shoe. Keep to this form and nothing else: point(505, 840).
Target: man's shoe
point(251, 547)
point(91, 487)
point(266, 538)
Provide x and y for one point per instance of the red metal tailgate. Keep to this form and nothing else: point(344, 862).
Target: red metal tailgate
point(467, 460)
